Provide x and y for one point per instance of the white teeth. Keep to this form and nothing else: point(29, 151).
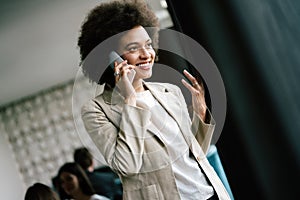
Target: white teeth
point(143, 65)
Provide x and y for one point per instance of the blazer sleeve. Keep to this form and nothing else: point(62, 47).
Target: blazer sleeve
point(121, 147)
point(202, 131)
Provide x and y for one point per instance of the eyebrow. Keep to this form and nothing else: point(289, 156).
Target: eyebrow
point(136, 43)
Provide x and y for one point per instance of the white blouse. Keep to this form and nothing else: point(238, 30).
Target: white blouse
point(190, 181)
point(98, 197)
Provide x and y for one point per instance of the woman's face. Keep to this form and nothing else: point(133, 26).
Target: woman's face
point(136, 47)
point(69, 183)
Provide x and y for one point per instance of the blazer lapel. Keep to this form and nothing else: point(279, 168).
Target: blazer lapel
point(170, 103)
point(175, 108)
point(114, 103)
point(115, 100)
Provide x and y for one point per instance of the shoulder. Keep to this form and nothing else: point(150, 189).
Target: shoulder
point(92, 104)
point(104, 176)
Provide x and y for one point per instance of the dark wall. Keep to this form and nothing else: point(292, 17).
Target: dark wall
point(255, 46)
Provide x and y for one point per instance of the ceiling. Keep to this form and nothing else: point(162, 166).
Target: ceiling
point(38, 44)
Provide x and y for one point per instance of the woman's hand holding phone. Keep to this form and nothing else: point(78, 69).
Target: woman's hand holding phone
point(124, 75)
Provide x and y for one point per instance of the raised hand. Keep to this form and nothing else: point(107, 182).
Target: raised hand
point(197, 91)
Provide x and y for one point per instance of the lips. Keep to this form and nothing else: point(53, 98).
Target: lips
point(145, 65)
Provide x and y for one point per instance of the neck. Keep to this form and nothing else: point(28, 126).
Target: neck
point(138, 85)
point(81, 196)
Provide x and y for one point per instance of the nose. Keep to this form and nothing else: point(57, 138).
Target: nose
point(144, 53)
point(63, 186)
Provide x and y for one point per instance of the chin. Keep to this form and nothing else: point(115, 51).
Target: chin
point(70, 192)
point(144, 75)
point(148, 76)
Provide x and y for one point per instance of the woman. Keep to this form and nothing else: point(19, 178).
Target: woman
point(39, 191)
point(75, 183)
point(143, 129)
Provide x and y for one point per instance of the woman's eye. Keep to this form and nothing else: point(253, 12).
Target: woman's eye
point(149, 45)
point(69, 179)
point(133, 49)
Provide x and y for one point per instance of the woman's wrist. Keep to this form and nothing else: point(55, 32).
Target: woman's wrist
point(130, 100)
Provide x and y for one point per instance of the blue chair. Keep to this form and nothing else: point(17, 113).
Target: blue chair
point(214, 159)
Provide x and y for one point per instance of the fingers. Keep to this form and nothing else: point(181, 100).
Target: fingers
point(122, 69)
point(193, 80)
point(189, 87)
point(119, 66)
point(190, 77)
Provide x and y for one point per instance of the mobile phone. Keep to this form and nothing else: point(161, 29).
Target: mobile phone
point(115, 57)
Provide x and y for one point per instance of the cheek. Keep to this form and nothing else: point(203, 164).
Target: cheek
point(69, 183)
point(131, 58)
point(65, 185)
point(153, 53)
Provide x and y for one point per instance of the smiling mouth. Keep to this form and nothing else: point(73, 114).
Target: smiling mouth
point(144, 65)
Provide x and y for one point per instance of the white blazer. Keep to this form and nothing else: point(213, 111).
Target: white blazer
point(132, 147)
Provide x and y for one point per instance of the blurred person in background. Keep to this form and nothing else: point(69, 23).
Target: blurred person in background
point(76, 184)
point(103, 182)
point(40, 191)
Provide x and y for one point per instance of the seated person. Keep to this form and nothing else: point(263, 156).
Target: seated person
point(103, 182)
point(39, 191)
point(58, 189)
point(75, 183)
